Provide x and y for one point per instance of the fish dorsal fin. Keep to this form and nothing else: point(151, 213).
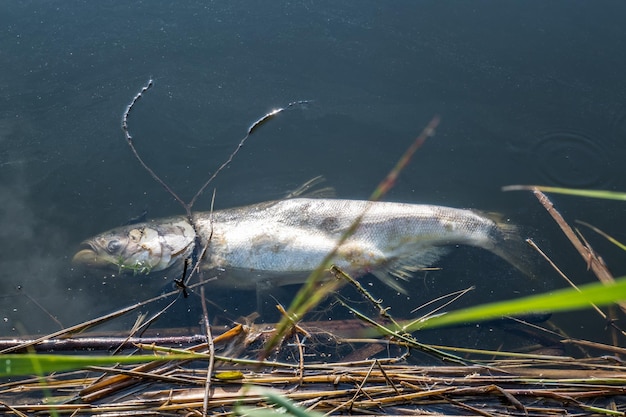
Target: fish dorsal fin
point(496, 216)
point(405, 267)
point(309, 190)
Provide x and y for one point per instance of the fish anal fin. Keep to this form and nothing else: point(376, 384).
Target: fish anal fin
point(268, 296)
point(405, 268)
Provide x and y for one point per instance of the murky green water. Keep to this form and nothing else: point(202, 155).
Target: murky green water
point(527, 94)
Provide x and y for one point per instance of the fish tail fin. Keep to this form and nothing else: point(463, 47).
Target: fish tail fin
point(506, 241)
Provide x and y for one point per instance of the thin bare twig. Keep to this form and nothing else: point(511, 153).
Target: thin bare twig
point(209, 340)
point(382, 311)
point(562, 274)
point(196, 267)
point(455, 296)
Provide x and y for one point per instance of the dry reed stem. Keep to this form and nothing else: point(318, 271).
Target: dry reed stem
point(534, 388)
point(378, 387)
point(211, 346)
point(385, 382)
point(595, 264)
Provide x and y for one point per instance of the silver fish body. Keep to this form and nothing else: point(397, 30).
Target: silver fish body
point(281, 242)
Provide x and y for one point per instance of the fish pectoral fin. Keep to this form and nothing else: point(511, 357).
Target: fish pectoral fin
point(263, 289)
point(406, 267)
point(386, 278)
point(268, 297)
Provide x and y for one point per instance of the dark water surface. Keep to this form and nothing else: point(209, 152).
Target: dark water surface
point(528, 93)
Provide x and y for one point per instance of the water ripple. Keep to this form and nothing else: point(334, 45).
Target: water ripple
point(618, 124)
point(571, 159)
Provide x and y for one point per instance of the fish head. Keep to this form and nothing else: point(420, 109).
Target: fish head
point(139, 248)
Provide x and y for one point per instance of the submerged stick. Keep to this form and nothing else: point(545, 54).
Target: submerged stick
point(253, 127)
point(129, 140)
point(81, 327)
point(188, 206)
point(73, 329)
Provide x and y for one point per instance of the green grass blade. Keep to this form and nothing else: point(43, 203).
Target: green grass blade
point(559, 300)
point(288, 405)
point(289, 408)
point(604, 194)
point(317, 285)
point(36, 364)
point(604, 235)
point(243, 410)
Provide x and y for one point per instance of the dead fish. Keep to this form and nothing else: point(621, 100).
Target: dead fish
point(281, 242)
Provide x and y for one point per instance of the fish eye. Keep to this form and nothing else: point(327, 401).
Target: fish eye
point(113, 246)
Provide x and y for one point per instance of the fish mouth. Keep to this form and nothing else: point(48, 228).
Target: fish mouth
point(88, 256)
